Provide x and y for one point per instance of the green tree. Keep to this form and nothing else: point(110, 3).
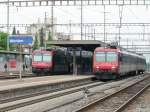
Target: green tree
point(36, 42)
point(50, 36)
point(3, 41)
point(13, 46)
point(14, 31)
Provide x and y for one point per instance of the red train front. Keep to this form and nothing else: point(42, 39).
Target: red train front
point(41, 61)
point(50, 61)
point(105, 63)
point(111, 63)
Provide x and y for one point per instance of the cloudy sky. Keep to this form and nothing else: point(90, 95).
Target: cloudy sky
point(91, 14)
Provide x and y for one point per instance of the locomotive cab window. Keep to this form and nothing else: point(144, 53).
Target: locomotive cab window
point(47, 57)
point(38, 57)
point(100, 57)
point(111, 56)
point(106, 56)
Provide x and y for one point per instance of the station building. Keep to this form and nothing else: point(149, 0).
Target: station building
point(11, 59)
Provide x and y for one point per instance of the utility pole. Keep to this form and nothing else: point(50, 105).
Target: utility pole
point(45, 22)
point(88, 32)
point(52, 18)
point(143, 32)
point(81, 19)
point(8, 25)
point(94, 33)
point(104, 22)
point(120, 18)
point(85, 32)
point(70, 27)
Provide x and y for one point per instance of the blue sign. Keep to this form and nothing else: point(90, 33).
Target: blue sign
point(25, 40)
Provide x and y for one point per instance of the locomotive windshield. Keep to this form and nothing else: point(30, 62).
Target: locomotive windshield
point(100, 56)
point(39, 57)
point(106, 56)
point(111, 56)
point(47, 57)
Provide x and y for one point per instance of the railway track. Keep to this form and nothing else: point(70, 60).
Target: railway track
point(19, 97)
point(117, 101)
point(17, 102)
point(94, 94)
point(21, 103)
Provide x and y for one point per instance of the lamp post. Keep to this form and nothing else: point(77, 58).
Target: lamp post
point(8, 25)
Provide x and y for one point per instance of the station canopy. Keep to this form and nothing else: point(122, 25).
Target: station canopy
point(89, 45)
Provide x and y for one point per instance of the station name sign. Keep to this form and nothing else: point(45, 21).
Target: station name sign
point(20, 39)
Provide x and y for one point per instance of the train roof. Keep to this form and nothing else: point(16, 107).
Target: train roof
point(122, 50)
point(106, 49)
point(50, 49)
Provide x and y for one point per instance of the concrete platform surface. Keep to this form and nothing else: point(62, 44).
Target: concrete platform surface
point(34, 81)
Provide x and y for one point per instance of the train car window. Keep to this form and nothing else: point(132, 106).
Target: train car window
point(100, 57)
point(62, 59)
point(111, 56)
point(47, 58)
point(128, 59)
point(56, 58)
point(37, 57)
point(11, 56)
point(125, 58)
point(2, 57)
point(121, 58)
point(59, 58)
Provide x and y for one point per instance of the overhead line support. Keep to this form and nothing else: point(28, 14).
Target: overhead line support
point(31, 3)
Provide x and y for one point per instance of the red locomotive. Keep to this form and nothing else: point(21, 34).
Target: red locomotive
point(111, 63)
point(60, 61)
point(43, 61)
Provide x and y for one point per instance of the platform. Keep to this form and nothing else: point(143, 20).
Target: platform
point(13, 75)
point(26, 82)
point(15, 87)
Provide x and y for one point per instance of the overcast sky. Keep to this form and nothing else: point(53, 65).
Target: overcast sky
point(92, 14)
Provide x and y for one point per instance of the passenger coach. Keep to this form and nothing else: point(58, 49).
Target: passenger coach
point(111, 63)
point(60, 61)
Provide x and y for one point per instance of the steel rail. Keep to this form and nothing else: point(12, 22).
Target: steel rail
point(122, 107)
point(90, 105)
point(47, 97)
point(37, 94)
point(88, 95)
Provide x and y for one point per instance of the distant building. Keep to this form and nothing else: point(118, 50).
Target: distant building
point(35, 28)
point(46, 25)
point(62, 36)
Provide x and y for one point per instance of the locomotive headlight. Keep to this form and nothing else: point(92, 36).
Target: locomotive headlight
point(97, 67)
point(113, 67)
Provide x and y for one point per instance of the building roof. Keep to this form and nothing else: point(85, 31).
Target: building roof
point(84, 44)
point(13, 52)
